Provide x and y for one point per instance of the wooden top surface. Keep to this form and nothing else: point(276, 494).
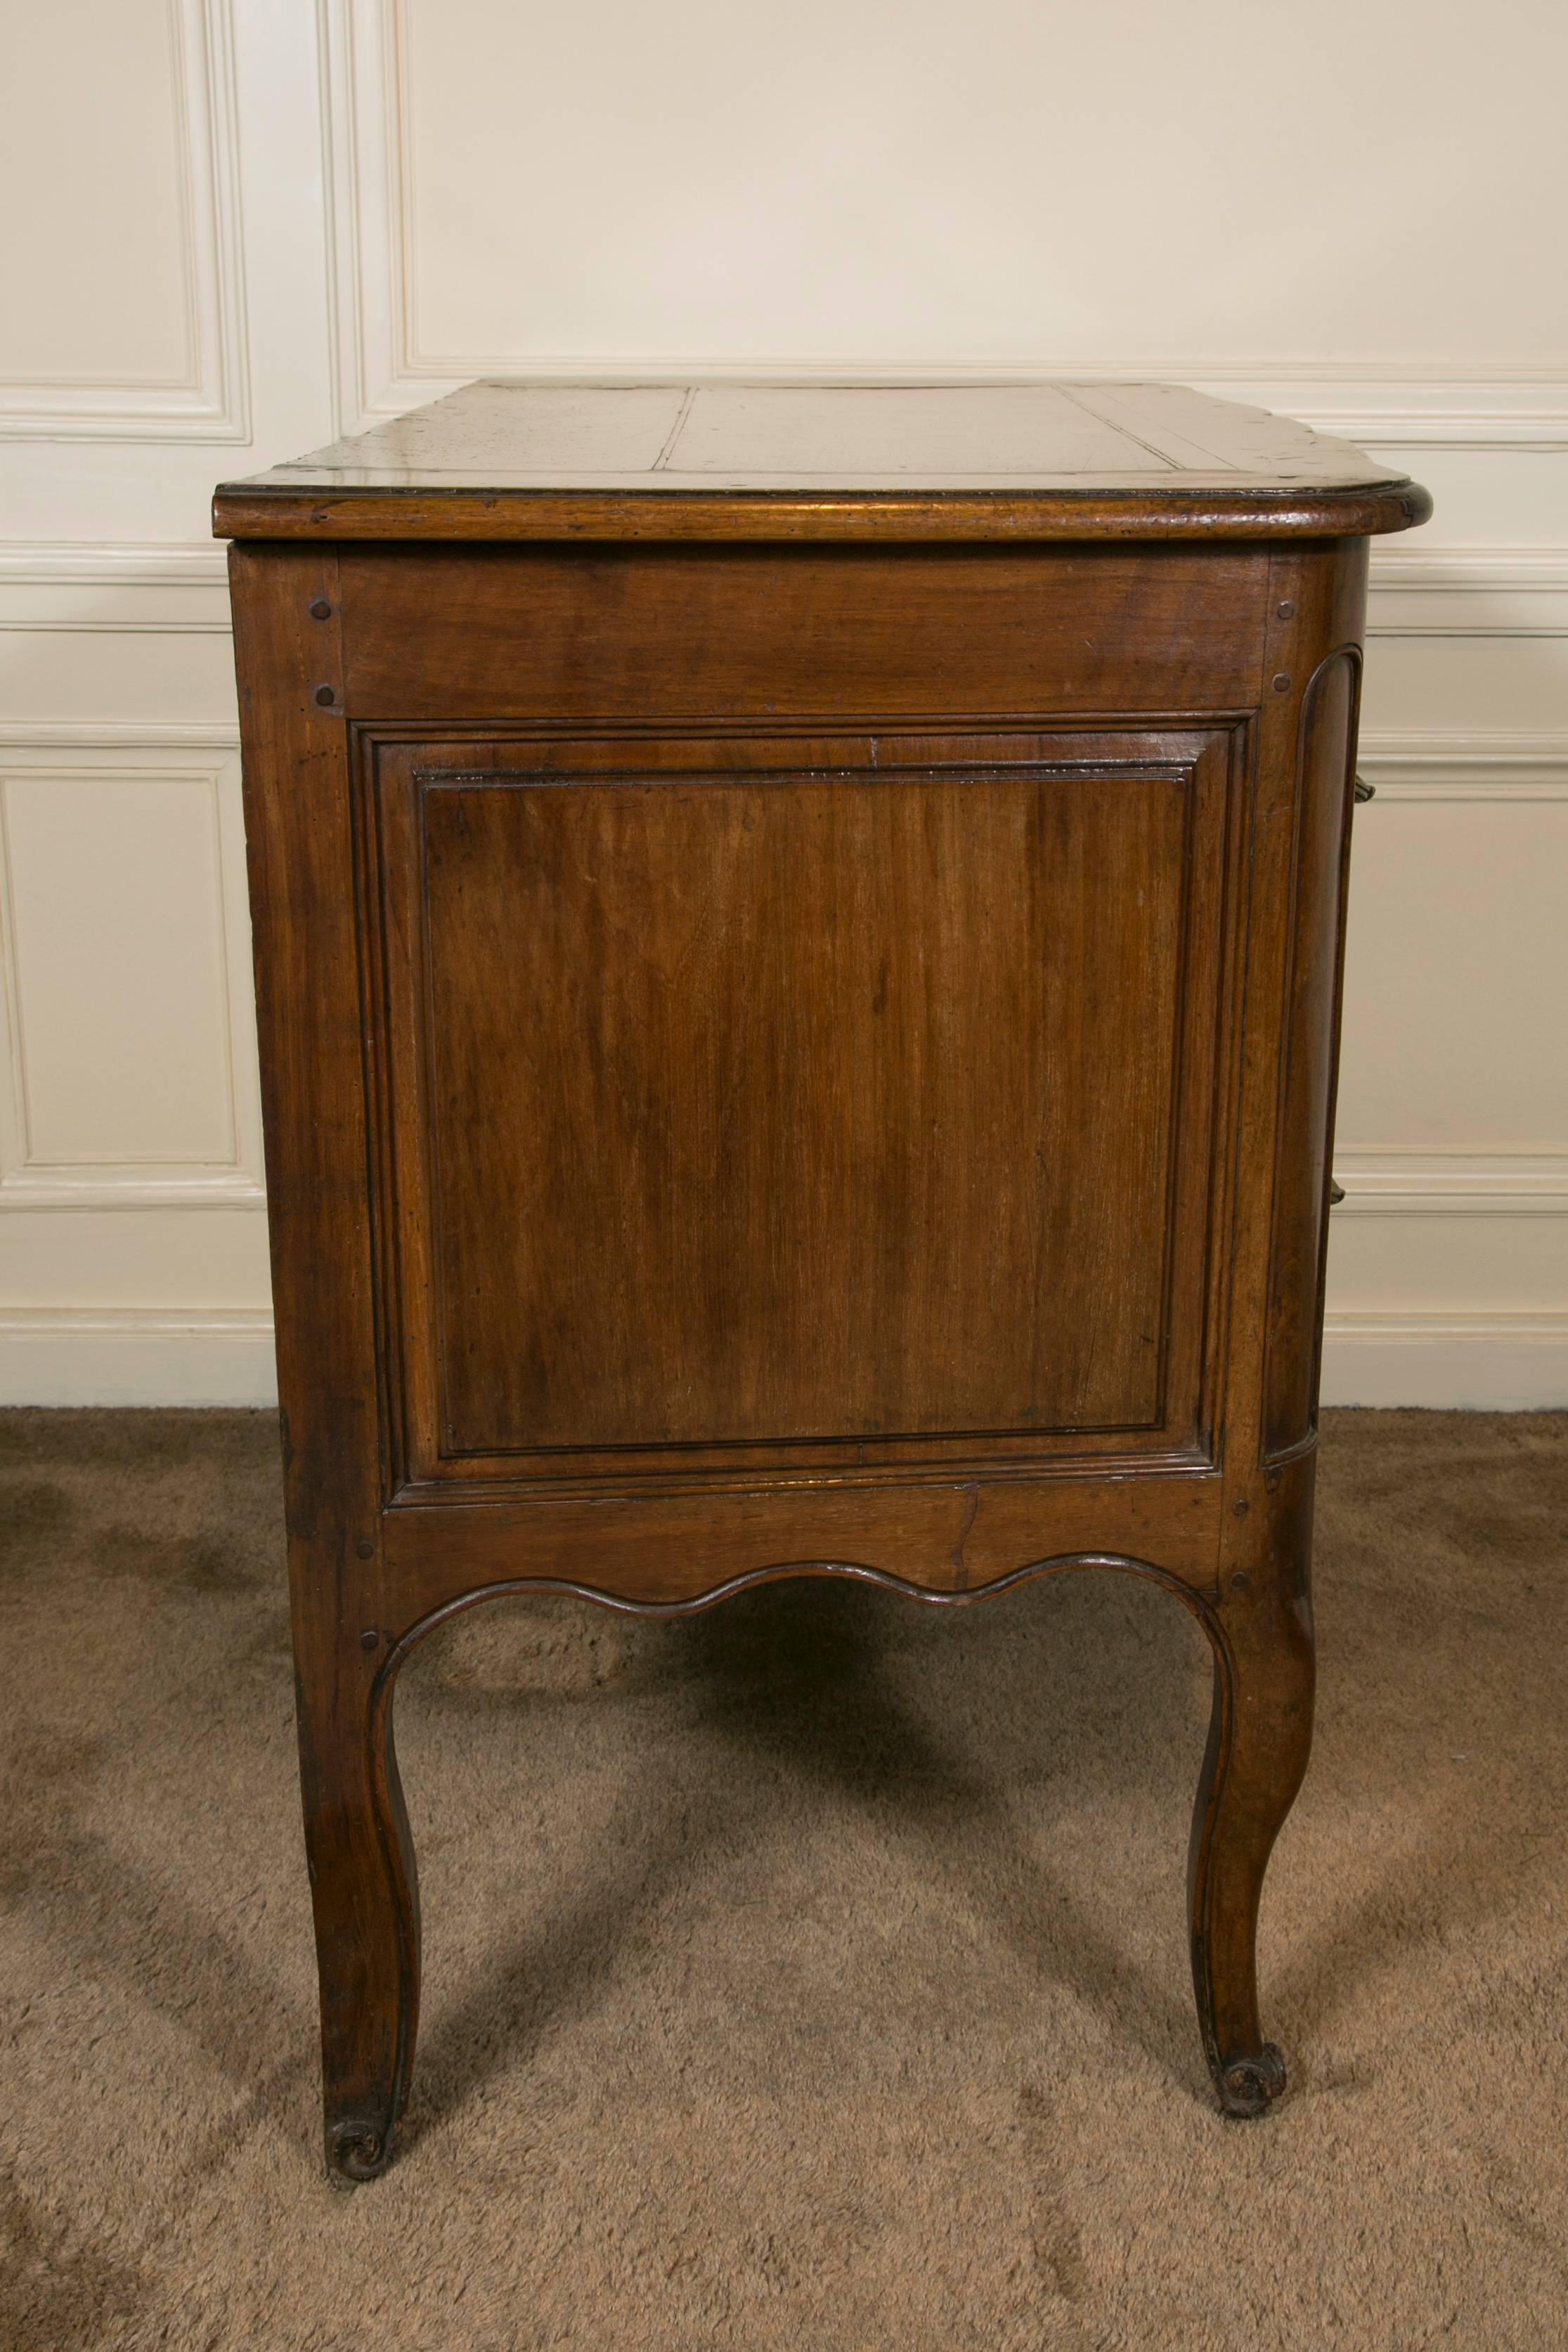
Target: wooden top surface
point(730, 460)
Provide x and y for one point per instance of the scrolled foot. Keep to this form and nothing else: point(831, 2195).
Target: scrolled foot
point(1249, 2087)
point(356, 2150)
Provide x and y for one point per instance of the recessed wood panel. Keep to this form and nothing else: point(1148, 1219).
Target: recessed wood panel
point(824, 1114)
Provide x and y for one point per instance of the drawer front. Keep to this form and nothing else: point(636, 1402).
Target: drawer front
point(759, 1106)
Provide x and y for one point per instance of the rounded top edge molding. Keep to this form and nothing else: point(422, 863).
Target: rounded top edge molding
point(245, 510)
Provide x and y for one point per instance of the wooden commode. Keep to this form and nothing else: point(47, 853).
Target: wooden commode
point(798, 937)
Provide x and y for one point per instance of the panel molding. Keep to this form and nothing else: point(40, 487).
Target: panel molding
point(1464, 591)
point(212, 401)
point(30, 1181)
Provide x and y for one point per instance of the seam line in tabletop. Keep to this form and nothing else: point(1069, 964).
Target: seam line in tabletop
point(1073, 393)
point(1180, 450)
point(668, 446)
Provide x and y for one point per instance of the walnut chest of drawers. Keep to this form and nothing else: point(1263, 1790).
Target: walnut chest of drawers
point(798, 937)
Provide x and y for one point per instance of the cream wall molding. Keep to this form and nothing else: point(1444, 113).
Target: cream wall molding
point(1424, 570)
point(137, 1355)
point(1402, 1183)
point(116, 735)
point(30, 1177)
point(114, 625)
point(1501, 765)
point(90, 564)
point(1507, 1362)
point(212, 403)
point(1459, 592)
point(74, 587)
point(129, 1188)
point(1466, 612)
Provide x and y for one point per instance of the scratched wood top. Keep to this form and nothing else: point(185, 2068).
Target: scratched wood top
point(725, 460)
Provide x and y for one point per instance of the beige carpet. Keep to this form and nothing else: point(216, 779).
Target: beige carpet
point(808, 1975)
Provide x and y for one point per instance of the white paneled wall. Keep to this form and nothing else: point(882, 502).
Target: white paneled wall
point(234, 228)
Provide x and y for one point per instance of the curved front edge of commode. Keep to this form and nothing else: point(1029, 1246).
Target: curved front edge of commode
point(1263, 1687)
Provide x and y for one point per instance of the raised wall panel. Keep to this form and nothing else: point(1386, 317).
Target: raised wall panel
point(126, 991)
point(113, 681)
point(1456, 690)
point(1457, 976)
point(1449, 1256)
point(121, 303)
point(93, 288)
point(712, 232)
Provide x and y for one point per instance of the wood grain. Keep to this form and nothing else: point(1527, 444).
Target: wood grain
point(934, 1536)
point(536, 632)
point(785, 1110)
point(299, 839)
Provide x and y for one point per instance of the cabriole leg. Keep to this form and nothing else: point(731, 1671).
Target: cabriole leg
point(1259, 1737)
point(365, 1898)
